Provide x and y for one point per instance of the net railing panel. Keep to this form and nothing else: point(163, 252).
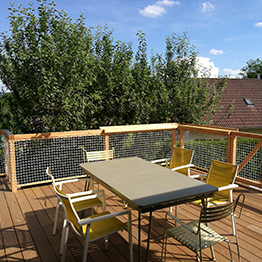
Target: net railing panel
point(252, 170)
point(62, 155)
point(146, 145)
point(28, 159)
point(206, 147)
point(2, 155)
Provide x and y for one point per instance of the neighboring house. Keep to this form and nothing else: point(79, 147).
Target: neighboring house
point(246, 97)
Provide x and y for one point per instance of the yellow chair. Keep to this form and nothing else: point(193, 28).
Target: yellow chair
point(197, 235)
point(180, 161)
point(91, 228)
point(222, 175)
point(94, 156)
point(85, 200)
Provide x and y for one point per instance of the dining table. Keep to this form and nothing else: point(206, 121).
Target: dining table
point(146, 187)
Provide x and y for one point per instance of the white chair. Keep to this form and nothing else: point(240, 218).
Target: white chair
point(92, 227)
point(85, 200)
point(93, 156)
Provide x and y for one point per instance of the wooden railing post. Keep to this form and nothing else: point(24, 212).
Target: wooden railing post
point(106, 142)
point(231, 148)
point(173, 138)
point(182, 138)
point(12, 167)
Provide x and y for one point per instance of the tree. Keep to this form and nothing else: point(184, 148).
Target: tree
point(253, 69)
point(65, 76)
point(190, 99)
point(47, 64)
point(8, 117)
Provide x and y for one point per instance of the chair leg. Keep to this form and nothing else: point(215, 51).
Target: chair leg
point(64, 243)
point(84, 258)
point(238, 251)
point(56, 216)
point(229, 248)
point(234, 224)
point(164, 248)
point(63, 236)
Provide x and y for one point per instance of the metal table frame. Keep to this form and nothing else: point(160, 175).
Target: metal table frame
point(146, 187)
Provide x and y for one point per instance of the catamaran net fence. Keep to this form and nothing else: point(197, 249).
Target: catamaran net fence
point(2, 155)
point(208, 147)
point(146, 145)
point(63, 155)
point(253, 169)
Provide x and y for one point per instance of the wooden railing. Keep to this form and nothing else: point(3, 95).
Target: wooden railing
point(41, 149)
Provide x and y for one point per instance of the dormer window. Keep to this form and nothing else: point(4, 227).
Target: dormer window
point(248, 102)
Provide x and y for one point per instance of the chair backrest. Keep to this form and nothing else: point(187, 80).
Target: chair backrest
point(98, 155)
point(221, 174)
point(211, 214)
point(180, 157)
point(69, 209)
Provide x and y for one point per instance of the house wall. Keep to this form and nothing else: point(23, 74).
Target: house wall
point(252, 130)
point(193, 136)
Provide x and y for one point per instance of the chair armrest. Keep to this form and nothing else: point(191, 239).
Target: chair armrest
point(78, 199)
point(198, 175)
point(180, 222)
point(180, 167)
point(107, 215)
point(72, 180)
point(86, 193)
point(230, 186)
point(159, 160)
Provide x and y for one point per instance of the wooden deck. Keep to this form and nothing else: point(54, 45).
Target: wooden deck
point(26, 221)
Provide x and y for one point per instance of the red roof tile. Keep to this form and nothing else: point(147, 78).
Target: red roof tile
point(243, 116)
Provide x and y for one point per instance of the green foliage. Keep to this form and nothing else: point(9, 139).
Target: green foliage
point(252, 69)
point(8, 116)
point(65, 76)
point(189, 98)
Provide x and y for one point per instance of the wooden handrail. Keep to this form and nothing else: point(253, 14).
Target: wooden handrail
point(138, 128)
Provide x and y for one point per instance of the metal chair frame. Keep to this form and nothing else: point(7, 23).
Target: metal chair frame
point(197, 235)
point(83, 227)
point(86, 199)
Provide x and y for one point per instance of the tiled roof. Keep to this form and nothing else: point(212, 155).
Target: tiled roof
point(243, 116)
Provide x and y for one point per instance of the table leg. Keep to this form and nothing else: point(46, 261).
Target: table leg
point(149, 233)
point(139, 236)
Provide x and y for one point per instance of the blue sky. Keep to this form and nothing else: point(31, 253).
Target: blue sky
point(227, 33)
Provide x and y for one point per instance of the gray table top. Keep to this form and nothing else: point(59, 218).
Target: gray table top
point(146, 186)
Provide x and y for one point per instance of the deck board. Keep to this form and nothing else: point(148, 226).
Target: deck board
point(26, 222)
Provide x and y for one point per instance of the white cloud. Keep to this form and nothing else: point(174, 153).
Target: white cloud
point(207, 68)
point(259, 24)
point(167, 2)
point(153, 11)
point(232, 73)
point(157, 9)
point(207, 7)
point(216, 52)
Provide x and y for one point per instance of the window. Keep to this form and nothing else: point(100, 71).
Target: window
point(248, 102)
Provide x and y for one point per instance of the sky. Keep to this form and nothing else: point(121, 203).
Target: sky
point(226, 33)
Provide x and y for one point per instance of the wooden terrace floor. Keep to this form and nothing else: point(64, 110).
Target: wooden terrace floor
point(26, 221)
